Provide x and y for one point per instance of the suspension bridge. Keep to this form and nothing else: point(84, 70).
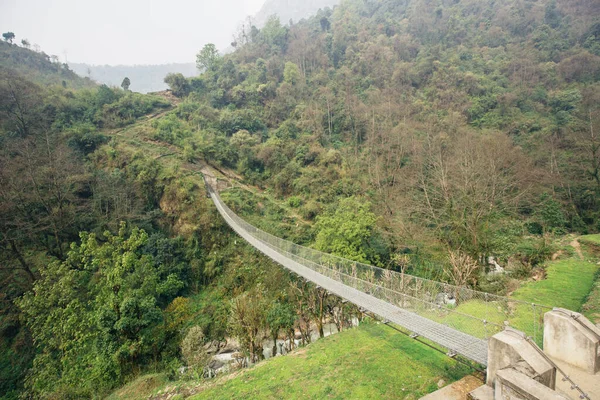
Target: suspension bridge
point(459, 319)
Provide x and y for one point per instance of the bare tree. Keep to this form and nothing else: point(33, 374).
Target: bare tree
point(20, 103)
point(462, 268)
point(39, 177)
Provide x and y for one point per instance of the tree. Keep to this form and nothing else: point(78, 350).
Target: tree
point(280, 317)
point(38, 200)
point(96, 317)
point(291, 73)
point(317, 307)
point(178, 84)
point(207, 58)
point(462, 268)
point(347, 230)
point(469, 182)
point(25, 43)
point(247, 322)
point(125, 84)
point(20, 104)
point(8, 37)
point(193, 351)
point(274, 36)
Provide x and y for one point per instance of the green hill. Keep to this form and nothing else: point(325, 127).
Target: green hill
point(39, 67)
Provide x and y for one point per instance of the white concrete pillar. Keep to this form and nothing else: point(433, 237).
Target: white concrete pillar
point(572, 338)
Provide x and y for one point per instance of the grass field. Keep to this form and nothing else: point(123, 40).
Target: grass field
point(567, 284)
point(591, 239)
point(370, 362)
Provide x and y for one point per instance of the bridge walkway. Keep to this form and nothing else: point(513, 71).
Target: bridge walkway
point(461, 343)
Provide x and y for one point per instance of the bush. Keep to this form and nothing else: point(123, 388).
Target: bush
point(235, 121)
point(535, 252)
point(178, 84)
point(192, 350)
point(170, 129)
point(310, 210)
point(294, 201)
point(83, 137)
point(551, 215)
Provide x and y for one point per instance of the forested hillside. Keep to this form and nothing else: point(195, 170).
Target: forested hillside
point(465, 125)
point(406, 134)
point(39, 66)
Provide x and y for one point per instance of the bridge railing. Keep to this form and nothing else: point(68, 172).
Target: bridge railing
point(477, 313)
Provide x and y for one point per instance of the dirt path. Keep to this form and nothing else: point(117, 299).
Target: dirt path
point(575, 244)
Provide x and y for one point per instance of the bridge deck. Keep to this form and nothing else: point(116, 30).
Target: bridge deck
point(466, 345)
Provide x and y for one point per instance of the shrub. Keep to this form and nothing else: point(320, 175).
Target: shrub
point(192, 349)
point(294, 201)
point(535, 252)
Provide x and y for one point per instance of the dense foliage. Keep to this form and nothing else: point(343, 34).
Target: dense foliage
point(97, 314)
point(466, 125)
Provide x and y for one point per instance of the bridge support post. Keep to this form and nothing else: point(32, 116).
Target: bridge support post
point(572, 338)
point(509, 349)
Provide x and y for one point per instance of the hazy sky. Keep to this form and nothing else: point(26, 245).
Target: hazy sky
point(125, 31)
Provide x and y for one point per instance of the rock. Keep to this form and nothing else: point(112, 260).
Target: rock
point(212, 347)
point(228, 347)
point(497, 268)
point(215, 365)
point(441, 383)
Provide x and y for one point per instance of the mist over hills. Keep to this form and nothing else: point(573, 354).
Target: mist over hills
point(144, 78)
point(150, 78)
point(40, 67)
point(288, 10)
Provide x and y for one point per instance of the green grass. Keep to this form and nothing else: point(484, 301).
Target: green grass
point(571, 283)
point(372, 361)
point(567, 285)
point(141, 388)
point(518, 315)
point(591, 309)
point(591, 239)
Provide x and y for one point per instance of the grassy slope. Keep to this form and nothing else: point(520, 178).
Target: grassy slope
point(591, 308)
point(368, 362)
point(567, 285)
point(591, 239)
point(571, 283)
point(372, 361)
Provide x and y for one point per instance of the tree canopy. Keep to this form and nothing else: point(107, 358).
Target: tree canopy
point(208, 57)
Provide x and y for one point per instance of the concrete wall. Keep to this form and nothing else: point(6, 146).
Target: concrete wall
point(511, 384)
point(572, 338)
point(508, 349)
